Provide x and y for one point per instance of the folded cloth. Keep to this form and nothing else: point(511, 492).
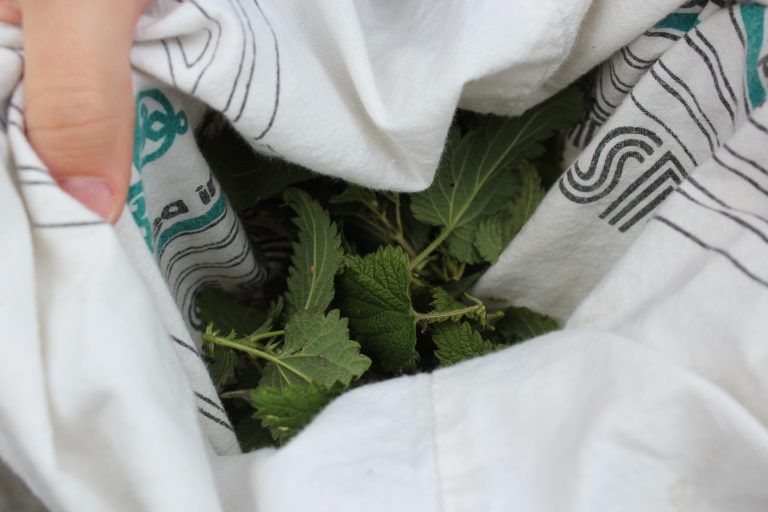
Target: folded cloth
point(652, 247)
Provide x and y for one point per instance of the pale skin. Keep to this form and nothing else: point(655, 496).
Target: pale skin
point(78, 98)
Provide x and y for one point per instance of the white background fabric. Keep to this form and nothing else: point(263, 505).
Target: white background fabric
point(650, 399)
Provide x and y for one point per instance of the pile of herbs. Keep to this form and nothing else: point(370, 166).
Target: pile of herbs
point(366, 284)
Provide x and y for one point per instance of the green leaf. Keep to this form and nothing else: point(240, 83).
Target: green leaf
point(374, 292)
point(471, 182)
point(227, 312)
point(356, 195)
point(530, 196)
point(520, 324)
point(461, 244)
point(316, 350)
point(447, 308)
point(252, 435)
point(496, 232)
point(492, 237)
point(287, 410)
point(317, 256)
point(246, 176)
point(457, 342)
point(443, 301)
point(222, 368)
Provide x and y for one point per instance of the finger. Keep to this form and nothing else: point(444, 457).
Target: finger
point(9, 12)
point(79, 102)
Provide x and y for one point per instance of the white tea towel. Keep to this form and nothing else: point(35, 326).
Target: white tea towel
point(650, 398)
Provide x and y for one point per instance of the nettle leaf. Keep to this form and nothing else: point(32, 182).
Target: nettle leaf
point(222, 367)
point(227, 312)
point(286, 411)
point(471, 183)
point(492, 237)
point(316, 350)
point(356, 195)
point(461, 244)
point(443, 301)
point(254, 339)
point(456, 342)
point(520, 324)
point(251, 435)
point(447, 308)
point(317, 256)
point(246, 176)
point(374, 293)
point(530, 195)
point(496, 232)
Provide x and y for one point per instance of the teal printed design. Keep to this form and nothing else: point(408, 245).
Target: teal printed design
point(680, 21)
point(195, 224)
point(138, 207)
point(752, 16)
point(157, 125)
point(156, 122)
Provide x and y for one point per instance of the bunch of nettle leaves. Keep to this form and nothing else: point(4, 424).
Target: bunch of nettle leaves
point(374, 284)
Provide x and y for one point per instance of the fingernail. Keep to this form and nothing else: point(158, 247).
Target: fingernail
point(93, 193)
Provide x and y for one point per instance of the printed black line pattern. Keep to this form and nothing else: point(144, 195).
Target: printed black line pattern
point(599, 88)
point(735, 24)
point(634, 61)
point(186, 345)
point(191, 250)
point(254, 275)
point(665, 127)
point(740, 174)
point(232, 262)
point(32, 168)
point(687, 107)
point(722, 75)
point(610, 156)
point(687, 89)
point(210, 402)
point(80, 224)
point(717, 200)
point(696, 240)
point(659, 33)
point(741, 222)
point(669, 174)
point(278, 73)
point(179, 45)
point(37, 182)
point(242, 58)
point(713, 73)
point(757, 125)
point(616, 81)
point(213, 224)
point(253, 64)
point(215, 419)
point(746, 160)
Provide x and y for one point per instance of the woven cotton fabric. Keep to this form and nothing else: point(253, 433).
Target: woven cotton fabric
point(651, 249)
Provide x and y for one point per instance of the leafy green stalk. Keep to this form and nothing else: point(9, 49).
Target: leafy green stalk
point(223, 341)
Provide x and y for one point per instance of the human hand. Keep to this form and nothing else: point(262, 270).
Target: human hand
point(79, 108)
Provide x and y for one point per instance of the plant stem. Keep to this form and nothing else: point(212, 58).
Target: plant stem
point(423, 255)
point(398, 217)
point(436, 315)
point(245, 394)
point(387, 229)
point(253, 338)
point(264, 354)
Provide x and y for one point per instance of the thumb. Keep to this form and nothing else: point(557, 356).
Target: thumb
point(79, 103)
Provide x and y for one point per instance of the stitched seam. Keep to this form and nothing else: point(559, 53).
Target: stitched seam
point(435, 447)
